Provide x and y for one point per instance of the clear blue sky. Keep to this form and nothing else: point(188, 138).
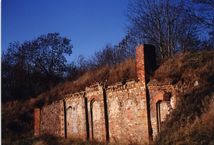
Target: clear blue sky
point(90, 24)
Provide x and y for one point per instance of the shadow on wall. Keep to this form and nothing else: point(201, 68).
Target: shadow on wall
point(118, 113)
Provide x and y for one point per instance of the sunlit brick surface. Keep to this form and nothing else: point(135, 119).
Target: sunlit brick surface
point(121, 113)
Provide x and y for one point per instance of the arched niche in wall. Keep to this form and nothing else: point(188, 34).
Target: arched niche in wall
point(97, 120)
point(163, 107)
point(71, 120)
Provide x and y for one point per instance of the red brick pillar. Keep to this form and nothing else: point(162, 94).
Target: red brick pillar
point(140, 63)
point(36, 122)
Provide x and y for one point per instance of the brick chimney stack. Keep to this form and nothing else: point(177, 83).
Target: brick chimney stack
point(140, 63)
point(145, 62)
point(145, 66)
point(36, 122)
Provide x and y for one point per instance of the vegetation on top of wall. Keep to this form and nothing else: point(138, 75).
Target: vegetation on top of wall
point(29, 69)
point(17, 116)
point(190, 123)
point(110, 75)
point(192, 120)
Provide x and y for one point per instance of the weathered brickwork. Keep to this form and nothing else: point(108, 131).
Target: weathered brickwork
point(127, 113)
point(162, 101)
point(96, 113)
point(52, 119)
point(122, 113)
point(36, 121)
point(75, 124)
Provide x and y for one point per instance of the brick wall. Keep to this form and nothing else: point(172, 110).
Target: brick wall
point(162, 97)
point(118, 113)
point(127, 113)
point(96, 113)
point(75, 124)
point(52, 119)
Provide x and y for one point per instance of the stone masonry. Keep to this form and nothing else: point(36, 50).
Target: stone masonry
point(122, 113)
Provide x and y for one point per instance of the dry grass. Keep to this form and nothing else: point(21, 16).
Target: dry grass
point(110, 75)
point(192, 121)
point(17, 121)
point(191, 131)
point(52, 140)
point(17, 116)
point(185, 68)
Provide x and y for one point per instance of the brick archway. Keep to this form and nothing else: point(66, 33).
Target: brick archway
point(160, 102)
point(161, 96)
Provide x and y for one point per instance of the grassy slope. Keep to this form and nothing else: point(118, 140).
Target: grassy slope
point(111, 75)
point(17, 116)
point(190, 123)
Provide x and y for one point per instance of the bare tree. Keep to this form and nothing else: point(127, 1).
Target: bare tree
point(205, 11)
point(169, 25)
point(205, 14)
point(113, 54)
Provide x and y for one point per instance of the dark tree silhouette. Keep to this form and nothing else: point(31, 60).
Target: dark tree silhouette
point(34, 66)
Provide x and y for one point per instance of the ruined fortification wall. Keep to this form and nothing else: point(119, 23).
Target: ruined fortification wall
point(127, 113)
point(122, 113)
point(162, 101)
point(52, 119)
point(96, 113)
point(117, 113)
point(75, 116)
